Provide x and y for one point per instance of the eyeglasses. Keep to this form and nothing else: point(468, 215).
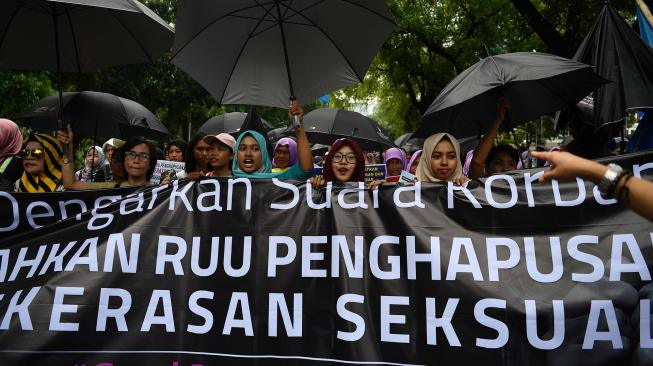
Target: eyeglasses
point(350, 158)
point(131, 155)
point(36, 153)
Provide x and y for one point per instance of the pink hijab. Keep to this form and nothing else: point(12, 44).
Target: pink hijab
point(10, 138)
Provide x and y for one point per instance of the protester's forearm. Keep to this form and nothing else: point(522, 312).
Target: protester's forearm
point(477, 168)
point(304, 149)
point(635, 193)
point(68, 175)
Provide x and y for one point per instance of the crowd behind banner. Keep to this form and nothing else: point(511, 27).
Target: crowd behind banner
point(219, 248)
point(255, 270)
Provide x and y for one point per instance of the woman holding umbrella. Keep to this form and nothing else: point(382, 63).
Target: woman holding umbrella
point(137, 160)
point(253, 161)
point(488, 159)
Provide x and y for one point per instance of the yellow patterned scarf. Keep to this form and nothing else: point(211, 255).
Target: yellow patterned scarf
point(50, 179)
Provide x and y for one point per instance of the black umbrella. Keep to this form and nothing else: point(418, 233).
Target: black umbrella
point(79, 35)
point(620, 55)
point(262, 52)
point(403, 139)
point(535, 83)
point(94, 114)
point(230, 123)
point(325, 125)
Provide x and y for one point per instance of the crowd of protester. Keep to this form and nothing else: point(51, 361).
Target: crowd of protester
point(43, 163)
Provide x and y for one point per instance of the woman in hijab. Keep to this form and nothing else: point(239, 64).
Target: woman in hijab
point(344, 163)
point(42, 164)
point(253, 161)
point(285, 155)
point(11, 166)
point(414, 160)
point(440, 160)
point(395, 161)
point(93, 166)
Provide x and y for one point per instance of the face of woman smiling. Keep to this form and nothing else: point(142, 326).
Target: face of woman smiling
point(343, 170)
point(249, 155)
point(443, 160)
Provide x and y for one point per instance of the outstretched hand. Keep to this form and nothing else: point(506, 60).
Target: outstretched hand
point(566, 166)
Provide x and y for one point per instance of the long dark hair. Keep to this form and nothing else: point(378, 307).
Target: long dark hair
point(137, 141)
point(181, 144)
point(191, 164)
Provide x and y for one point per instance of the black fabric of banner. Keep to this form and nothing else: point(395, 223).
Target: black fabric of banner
point(255, 272)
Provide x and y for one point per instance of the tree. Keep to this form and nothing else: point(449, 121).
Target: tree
point(562, 24)
point(20, 89)
point(432, 43)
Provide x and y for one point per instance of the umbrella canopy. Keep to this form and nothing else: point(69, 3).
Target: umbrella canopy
point(620, 55)
point(79, 35)
point(263, 52)
point(403, 139)
point(230, 123)
point(94, 114)
point(325, 125)
point(535, 83)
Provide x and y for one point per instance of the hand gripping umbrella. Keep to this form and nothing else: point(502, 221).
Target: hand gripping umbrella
point(535, 83)
point(262, 52)
point(79, 35)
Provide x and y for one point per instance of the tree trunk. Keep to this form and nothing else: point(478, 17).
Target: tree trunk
point(544, 29)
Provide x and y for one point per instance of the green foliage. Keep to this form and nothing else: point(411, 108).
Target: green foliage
point(20, 89)
point(432, 43)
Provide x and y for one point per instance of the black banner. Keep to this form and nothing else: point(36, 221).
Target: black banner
point(506, 271)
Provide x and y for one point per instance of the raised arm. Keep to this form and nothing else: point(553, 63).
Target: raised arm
point(477, 167)
point(67, 166)
point(633, 192)
point(303, 146)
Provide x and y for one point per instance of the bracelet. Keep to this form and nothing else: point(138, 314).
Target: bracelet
point(610, 190)
point(65, 161)
point(624, 192)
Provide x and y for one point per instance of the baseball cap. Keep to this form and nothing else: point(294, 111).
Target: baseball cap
point(224, 138)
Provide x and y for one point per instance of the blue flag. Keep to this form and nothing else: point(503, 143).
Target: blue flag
point(645, 20)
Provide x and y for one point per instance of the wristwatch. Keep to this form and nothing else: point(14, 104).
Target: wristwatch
point(609, 180)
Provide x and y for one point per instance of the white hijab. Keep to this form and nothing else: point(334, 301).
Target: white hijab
point(424, 172)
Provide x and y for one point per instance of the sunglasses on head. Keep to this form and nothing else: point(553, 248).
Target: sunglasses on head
point(36, 153)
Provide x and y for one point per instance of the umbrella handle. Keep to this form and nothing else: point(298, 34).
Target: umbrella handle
point(296, 123)
point(63, 127)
